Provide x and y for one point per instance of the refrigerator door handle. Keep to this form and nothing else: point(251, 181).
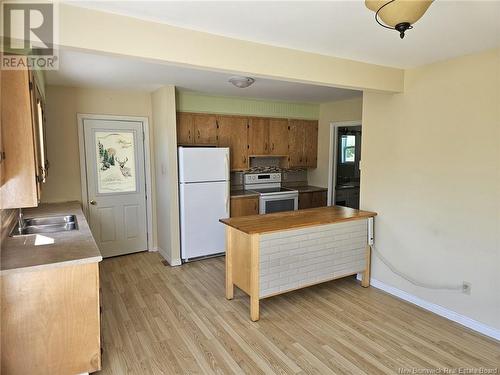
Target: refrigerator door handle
point(227, 202)
point(226, 164)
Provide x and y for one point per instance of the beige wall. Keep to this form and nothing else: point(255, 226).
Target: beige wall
point(63, 105)
point(431, 169)
point(342, 110)
point(167, 198)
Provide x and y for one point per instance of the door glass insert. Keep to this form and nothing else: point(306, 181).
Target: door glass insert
point(348, 148)
point(115, 162)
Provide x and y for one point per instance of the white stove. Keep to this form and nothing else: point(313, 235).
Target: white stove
point(272, 196)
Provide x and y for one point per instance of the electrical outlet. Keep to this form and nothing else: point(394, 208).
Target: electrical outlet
point(466, 287)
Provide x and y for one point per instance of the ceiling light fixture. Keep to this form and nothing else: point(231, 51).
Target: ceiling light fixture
point(398, 15)
point(241, 82)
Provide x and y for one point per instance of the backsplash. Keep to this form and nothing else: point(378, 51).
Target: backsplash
point(288, 177)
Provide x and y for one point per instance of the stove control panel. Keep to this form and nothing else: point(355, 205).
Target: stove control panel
point(262, 178)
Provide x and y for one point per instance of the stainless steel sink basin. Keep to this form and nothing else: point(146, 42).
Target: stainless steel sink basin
point(49, 224)
point(49, 220)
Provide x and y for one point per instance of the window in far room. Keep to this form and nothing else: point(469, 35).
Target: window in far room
point(348, 149)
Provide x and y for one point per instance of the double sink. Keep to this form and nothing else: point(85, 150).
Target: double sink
point(49, 224)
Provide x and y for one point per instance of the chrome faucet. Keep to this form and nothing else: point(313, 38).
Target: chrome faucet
point(20, 221)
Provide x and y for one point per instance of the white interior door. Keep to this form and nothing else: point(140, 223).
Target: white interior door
point(116, 188)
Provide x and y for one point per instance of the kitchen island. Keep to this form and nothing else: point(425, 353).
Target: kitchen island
point(276, 253)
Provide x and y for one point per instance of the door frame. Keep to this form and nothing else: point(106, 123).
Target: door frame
point(332, 165)
point(147, 165)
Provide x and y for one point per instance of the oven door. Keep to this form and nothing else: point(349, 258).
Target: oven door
point(278, 203)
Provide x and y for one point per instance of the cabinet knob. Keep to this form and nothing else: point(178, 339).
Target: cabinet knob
point(93, 202)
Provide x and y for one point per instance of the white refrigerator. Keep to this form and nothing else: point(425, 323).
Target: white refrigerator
point(204, 199)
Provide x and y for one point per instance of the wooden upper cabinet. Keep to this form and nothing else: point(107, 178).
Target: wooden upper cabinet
point(296, 143)
point(19, 186)
point(310, 144)
point(196, 128)
point(278, 137)
point(205, 129)
point(303, 143)
point(2, 155)
point(185, 128)
point(258, 136)
point(232, 133)
point(253, 136)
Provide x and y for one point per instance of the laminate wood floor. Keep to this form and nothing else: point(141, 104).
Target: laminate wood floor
point(162, 320)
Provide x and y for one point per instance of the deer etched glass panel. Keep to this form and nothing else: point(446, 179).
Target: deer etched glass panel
point(115, 162)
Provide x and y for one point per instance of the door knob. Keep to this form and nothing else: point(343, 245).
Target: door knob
point(93, 202)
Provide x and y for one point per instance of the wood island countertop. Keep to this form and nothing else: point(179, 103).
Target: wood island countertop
point(281, 221)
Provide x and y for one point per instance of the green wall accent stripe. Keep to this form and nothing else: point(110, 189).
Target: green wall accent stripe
point(197, 102)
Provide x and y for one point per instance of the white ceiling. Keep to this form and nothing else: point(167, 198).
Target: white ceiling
point(346, 29)
point(78, 69)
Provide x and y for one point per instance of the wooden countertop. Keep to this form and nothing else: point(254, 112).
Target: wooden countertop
point(32, 252)
point(295, 219)
point(307, 188)
point(243, 193)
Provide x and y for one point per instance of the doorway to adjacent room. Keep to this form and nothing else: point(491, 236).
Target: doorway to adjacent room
point(344, 164)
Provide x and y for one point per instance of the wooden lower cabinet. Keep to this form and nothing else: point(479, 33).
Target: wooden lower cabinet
point(244, 206)
point(312, 199)
point(50, 321)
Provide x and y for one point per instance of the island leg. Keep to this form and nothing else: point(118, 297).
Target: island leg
point(254, 309)
point(254, 278)
point(229, 265)
point(365, 279)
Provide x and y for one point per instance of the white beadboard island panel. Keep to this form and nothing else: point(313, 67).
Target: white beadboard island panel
point(296, 258)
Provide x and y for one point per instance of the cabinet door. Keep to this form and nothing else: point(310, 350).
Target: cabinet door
point(305, 200)
point(318, 199)
point(185, 128)
point(310, 143)
point(205, 129)
point(258, 136)
point(2, 155)
point(278, 137)
point(232, 133)
point(244, 206)
point(296, 141)
point(19, 186)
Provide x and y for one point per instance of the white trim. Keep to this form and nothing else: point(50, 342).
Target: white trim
point(438, 310)
point(332, 165)
point(147, 165)
point(166, 255)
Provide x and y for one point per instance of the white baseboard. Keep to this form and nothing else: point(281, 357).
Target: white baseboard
point(439, 310)
point(172, 262)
